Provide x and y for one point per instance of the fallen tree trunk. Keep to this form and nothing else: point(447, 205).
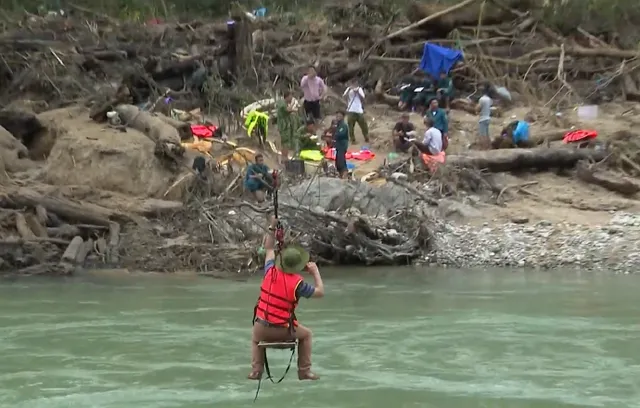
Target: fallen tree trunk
point(23, 228)
point(183, 128)
point(24, 197)
point(549, 136)
point(34, 224)
point(620, 185)
point(114, 240)
point(524, 159)
point(153, 207)
point(165, 136)
point(84, 251)
point(71, 253)
point(22, 241)
point(145, 122)
point(64, 231)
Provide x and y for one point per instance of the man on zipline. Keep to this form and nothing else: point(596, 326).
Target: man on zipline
point(274, 317)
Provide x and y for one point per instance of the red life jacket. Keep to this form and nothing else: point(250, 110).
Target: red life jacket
point(277, 301)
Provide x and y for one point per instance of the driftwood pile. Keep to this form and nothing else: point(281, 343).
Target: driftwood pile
point(64, 59)
point(221, 235)
point(52, 235)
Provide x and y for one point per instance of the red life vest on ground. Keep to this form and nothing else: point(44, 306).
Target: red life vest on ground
point(277, 301)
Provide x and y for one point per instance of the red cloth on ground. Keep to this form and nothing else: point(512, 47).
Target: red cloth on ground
point(363, 155)
point(203, 131)
point(579, 135)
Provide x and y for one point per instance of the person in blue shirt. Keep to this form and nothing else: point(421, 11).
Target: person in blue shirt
point(440, 121)
point(341, 144)
point(515, 134)
point(258, 179)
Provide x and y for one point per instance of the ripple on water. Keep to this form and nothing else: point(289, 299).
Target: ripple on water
point(409, 346)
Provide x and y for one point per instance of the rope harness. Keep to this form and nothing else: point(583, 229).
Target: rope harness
point(279, 238)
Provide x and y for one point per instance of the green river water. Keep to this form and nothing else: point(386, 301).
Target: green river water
point(383, 339)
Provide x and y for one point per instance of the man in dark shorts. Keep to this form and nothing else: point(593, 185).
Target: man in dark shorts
point(314, 91)
point(402, 132)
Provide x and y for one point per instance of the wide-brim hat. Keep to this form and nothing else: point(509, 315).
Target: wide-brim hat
point(292, 259)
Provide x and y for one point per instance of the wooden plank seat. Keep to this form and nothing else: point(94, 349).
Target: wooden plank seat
point(279, 345)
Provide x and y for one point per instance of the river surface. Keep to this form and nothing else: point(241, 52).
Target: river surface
point(383, 339)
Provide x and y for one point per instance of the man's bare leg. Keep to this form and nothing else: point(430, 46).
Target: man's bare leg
point(259, 195)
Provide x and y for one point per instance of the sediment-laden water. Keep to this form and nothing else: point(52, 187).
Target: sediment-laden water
point(383, 339)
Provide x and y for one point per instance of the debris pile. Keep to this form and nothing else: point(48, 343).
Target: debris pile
point(340, 223)
point(60, 59)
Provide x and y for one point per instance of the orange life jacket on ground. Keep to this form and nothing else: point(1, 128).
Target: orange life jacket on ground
point(277, 301)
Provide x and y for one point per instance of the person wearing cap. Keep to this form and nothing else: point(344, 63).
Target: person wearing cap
point(274, 314)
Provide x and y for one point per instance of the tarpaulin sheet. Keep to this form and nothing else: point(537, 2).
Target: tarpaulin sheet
point(436, 59)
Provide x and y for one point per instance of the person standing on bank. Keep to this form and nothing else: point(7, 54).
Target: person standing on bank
point(274, 317)
point(484, 110)
point(288, 123)
point(314, 90)
point(355, 111)
point(341, 144)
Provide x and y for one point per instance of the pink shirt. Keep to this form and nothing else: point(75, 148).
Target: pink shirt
point(312, 88)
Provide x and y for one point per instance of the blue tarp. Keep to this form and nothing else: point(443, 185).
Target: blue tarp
point(436, 59)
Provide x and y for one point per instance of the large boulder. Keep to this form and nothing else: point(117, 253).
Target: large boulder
point(333, 194)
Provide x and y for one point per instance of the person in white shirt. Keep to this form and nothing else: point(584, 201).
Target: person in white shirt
point(432, 141)
point(355, 111)
point(484, 110)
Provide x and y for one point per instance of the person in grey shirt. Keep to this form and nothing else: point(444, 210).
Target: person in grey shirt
point(484, 110)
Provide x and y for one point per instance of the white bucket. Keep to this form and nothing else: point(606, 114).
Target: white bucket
point(588, 112)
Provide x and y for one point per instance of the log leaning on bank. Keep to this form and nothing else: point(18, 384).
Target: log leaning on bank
point(24, 197)
point(618, 184)
point(502, 160)
point(164, 135)
point(523, 159)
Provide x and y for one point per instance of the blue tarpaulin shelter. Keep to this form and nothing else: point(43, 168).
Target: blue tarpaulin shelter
point(436, 59)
